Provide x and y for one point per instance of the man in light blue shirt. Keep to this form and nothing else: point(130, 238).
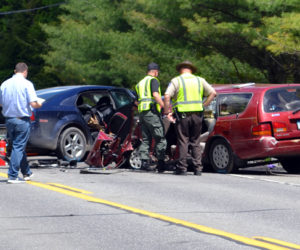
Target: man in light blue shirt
point(18, 97)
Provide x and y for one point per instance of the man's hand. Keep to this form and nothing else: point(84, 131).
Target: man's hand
point(171, 118)
point(209, 99)
point(36, 104)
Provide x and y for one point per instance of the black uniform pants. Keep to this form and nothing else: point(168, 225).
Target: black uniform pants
point(188, 134)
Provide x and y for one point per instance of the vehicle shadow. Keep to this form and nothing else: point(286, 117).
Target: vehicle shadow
point(261, 170)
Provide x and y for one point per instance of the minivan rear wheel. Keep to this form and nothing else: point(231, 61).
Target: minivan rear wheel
point(221, 156)
point(290, 164)
point(71, 144)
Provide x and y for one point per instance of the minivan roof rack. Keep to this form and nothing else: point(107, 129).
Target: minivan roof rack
point(243, 85)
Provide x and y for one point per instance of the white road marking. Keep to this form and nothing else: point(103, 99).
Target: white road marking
point(267, 180)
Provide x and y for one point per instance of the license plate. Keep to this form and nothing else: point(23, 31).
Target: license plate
point(298, 124)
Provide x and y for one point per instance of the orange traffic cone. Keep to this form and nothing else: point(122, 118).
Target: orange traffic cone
point(2, 152)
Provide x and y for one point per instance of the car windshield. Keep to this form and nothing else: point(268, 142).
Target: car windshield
point(121, 98)
point(282, 99)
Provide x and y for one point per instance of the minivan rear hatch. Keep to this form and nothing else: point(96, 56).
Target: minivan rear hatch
point(282, 111)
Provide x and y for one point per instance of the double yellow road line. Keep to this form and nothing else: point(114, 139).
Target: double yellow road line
point(259, 242)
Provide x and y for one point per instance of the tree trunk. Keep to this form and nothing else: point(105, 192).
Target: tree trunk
point(276, 71)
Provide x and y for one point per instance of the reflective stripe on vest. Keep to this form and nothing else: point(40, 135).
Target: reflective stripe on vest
point(189, 97)
point(145, 98)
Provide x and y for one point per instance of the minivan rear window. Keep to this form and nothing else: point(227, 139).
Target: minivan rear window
point(282, 99)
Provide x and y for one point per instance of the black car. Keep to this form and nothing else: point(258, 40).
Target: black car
point(61, 126)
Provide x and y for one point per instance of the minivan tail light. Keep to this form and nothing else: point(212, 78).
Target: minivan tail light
point(279, 127)
point(262, 129)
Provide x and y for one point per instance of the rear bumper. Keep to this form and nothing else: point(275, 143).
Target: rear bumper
point(39, 140)
point(267, 146)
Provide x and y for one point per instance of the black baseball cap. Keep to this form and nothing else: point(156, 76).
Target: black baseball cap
point(153, 66)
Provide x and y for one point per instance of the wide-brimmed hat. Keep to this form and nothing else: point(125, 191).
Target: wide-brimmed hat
point(186, 64)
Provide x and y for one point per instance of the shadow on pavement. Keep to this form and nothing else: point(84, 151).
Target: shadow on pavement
point(262, 170)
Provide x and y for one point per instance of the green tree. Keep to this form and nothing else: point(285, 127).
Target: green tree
point(111, 42)
point(244, 29)
point(21, 37)
point(172, 41)
point(284, 40)
point(82, 45)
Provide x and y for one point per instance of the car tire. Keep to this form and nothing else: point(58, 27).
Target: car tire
point(71, 144)
point(135, 161)
point(221, 156)
point(290, 164)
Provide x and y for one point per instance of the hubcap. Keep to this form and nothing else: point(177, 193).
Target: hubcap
point(221, 156)
point(73, 145)
point(135, 160)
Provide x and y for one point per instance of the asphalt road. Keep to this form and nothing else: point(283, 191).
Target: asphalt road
point(63, 209)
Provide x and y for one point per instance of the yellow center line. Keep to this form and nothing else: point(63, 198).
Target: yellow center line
point(279, 242)
point(200, 228)
point(69, 188)
point(204, 229)
point(3, 175)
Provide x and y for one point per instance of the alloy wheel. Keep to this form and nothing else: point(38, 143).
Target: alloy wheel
point(72, 144)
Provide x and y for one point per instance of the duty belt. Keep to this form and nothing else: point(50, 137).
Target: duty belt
point(20, 118)
point(185, 114)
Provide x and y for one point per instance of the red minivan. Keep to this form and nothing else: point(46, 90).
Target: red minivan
point(250, 124)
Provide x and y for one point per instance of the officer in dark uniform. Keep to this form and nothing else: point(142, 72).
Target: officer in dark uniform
point(149, 107)
point(187, 92)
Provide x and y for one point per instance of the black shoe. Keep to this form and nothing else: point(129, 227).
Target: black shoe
point(198, 172)
point(161, 166)
point(146, 166)
point(180, 172)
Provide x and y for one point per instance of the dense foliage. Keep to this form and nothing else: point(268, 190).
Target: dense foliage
point(112, 41)
point(22, 39)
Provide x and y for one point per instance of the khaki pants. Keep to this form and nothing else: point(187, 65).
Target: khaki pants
point(188, 133)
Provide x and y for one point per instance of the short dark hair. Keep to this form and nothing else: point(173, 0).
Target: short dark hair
point(21, 67)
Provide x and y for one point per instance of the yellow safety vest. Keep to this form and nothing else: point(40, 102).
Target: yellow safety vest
point(190, 94)
point(145, 98)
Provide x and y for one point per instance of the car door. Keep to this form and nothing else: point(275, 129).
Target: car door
point(124, 103)
point(235, 119)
